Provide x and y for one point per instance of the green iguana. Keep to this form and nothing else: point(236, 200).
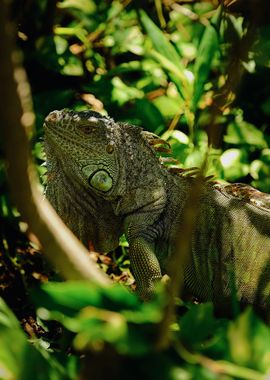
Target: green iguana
point(105, 179)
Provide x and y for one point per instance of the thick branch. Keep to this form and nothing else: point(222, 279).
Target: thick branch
point(60, 246)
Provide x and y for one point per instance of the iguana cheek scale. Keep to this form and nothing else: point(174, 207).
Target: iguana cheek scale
point(105, 179)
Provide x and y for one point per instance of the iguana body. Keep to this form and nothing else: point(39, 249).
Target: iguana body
point(104, 179)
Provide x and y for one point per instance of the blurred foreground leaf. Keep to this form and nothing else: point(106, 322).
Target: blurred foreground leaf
point(98, 315)
point(21, 360)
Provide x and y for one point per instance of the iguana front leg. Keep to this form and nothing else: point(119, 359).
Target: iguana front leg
point(145, 266)
point(142, 215)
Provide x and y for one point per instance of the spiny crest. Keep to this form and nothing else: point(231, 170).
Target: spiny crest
point(82, 115)
point(162, 146)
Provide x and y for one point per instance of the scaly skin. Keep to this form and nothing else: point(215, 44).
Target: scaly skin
point(104, 179)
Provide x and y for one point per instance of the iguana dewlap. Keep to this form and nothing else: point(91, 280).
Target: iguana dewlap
point(104, 179)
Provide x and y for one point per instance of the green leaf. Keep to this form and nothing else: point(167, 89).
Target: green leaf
point(182, 76)
point(241, 132)
point(234, 163)
point(198, 324)
point(151, 118)
point(208, 46)
point(93, 326)
point(266, 106)
point(260, 171)
point(122, 93)
point(86, 6)
point(77, 31)
point(160, 42)
point(97, 315)
point(129, 39)
point(70, 297)
point(20, 360)
point(179, 136)
point(55, 55)
point(180, 144)
point(194, 158)
point(71, 65)
point(61, 45)
point(11, 355)
point(249, 342)
point(167, 55)
point(262, 46)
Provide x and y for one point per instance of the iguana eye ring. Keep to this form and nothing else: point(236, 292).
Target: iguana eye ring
point(101, 180)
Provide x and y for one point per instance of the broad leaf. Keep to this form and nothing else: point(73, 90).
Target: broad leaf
point(207, 48)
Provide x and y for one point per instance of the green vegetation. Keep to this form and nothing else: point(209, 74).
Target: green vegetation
point(198, 74)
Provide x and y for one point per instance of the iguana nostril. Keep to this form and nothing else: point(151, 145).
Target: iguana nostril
point(52, 116)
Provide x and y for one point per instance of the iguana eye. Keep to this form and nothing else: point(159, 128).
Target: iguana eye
point(101, 180)
point(87, 129)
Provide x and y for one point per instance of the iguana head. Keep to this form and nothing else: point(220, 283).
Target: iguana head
point(85, 147)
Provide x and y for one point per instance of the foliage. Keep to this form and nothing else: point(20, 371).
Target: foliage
point(195, 73)
point(95, 317)
point(116, 59)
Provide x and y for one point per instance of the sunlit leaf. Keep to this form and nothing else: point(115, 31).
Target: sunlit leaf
point(245, 133)
point(249, 340)
point(122, 93)
point(207, 48)
point(86, 6)
point(166, 54)
point(179, 136)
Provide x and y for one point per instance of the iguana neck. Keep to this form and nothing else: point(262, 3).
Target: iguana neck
point(143, 176)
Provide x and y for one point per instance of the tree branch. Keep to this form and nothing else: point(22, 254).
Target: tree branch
point(62, 249)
